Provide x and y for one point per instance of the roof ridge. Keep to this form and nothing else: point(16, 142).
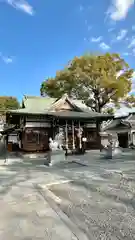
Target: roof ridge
point(41, 97)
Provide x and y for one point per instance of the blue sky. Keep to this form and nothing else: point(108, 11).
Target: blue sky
point(39, 37)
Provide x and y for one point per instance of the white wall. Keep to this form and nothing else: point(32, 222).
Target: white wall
point(13, 138)
point(1, 126)
point(37, 121)
point(133, 136)
point(91, 125)
point(37, 124)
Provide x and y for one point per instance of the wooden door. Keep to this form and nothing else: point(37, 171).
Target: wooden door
point(35, 139)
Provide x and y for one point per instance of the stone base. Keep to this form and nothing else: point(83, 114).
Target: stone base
point(47, 159)
point(33, 155)
point(57, 156)
point(111, 153)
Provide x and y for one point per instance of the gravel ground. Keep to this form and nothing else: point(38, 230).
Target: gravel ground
point(100, 198)
point(97, 196)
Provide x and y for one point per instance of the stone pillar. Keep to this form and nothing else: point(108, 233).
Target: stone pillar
point(73, 135)
point(80, 137)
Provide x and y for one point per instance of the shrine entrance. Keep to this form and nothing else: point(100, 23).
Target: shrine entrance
point(123, 139)
point(73, 134)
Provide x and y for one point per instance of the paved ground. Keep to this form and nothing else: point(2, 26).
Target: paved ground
point(90, 199)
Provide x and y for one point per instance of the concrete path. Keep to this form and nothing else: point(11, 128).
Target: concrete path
point(93, 200)
point(25, 213)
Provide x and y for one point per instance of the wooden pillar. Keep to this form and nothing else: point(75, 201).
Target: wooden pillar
point(133, 137)
point(73, 135)
point(53, 133)
point(38, 133)
point(98, 133)
point(129, 138)
point(66, 130)
point(80, 137)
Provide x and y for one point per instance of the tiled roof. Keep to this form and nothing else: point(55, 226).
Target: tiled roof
point(81, 115)
point(28, 111)
point(65, 114)
point(44, 105)
point(41, 104)
point(117, 124)
point(80, 104)
point(32, 103)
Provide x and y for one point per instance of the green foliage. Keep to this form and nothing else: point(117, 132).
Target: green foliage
point(96, 79)
point(130, 100)
point(8, 103)
point(109, 110)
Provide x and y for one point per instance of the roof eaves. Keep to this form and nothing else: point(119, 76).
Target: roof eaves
point(83, 115)
point(114, 123)
point(124, 122)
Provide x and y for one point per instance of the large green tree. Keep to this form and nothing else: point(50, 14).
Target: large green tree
point(8, 103)
point(96, 79)
point(130, 100)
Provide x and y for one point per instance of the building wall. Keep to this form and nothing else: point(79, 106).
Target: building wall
point(2, 121)
point(124, 136)
point(132, 137)
point(93, 141)
point(38, 129)
point(1, 126)
point(13, 138)
point(37, 125)
point(35, 135)
point(35, 139)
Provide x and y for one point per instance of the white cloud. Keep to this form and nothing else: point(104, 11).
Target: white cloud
point(133, 75)
point(111, 29)
point(133, 50)
point(89, 28)
point(104, 46)
point(81, 8)
point(98, 39)
point(86, 21)
point(133, 27)
point(132, 42)
point(21, 5)
point(6, 59)
point(122, 34)
point(133, 79)
point(126, 54)
point(119, 9)
point(133, 83)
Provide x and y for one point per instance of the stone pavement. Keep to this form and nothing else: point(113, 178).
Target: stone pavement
point(25, 213)
point(94, 199)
